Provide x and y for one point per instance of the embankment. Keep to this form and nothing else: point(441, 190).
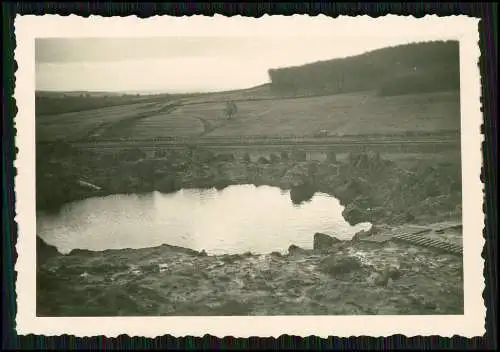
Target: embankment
point(344, 277)
point(371, 188)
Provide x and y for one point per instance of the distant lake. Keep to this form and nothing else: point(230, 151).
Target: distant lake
point(233, 220)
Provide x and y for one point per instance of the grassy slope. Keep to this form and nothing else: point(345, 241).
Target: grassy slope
point(79, 124)
point(345, 114)
point(390, 90)
point(356, 113)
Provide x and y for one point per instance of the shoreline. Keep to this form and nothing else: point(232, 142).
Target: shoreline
point(214, 189)
point(335, 277)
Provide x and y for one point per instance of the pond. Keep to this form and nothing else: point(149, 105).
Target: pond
point(236, 219)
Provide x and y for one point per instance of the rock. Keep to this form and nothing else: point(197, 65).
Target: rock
point(293, 250)
point(354, 215)
point(352, 189)
point(385, 277)
point(302, 192)
point(364, 234)
point(221, 184)
point(334, 265)
point(44, 251)
point(322, 241)
point(263, 160)
point(274, 159)
point(377, 279)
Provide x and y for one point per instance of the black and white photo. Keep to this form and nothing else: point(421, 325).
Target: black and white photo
point(324, 172)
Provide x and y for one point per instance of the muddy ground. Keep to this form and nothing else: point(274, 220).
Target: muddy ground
point(342, 277)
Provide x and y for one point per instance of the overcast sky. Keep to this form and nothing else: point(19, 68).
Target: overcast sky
point(187, 64)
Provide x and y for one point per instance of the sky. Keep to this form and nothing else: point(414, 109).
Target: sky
point(191, 63)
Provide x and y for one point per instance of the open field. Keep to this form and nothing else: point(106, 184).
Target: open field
point(342, 114)
point(346, 114)
point(76, 125)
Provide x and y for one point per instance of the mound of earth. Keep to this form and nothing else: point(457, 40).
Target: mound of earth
point(348, 278)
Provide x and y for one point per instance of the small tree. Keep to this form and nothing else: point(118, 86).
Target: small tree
point(231, 109)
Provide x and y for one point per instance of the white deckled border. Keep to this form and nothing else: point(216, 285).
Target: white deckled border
point(464, 28)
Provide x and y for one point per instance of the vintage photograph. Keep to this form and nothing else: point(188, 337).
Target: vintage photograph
point(272, 175)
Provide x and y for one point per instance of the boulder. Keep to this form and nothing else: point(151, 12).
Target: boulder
point(302, 192)
point(366, 233)
point(220, 184)
point(349, 190)
point(354, 215)
point(44, 251)
point(263, 160)
point(293, 250)
point(322, 241)
point(274, 159)
point(384, 277)
point(338, 265)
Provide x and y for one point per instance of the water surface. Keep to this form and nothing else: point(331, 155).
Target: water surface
point(234, 220)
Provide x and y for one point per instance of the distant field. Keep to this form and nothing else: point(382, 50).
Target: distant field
point(361, 113)
point(53, 104)
point(345, 114)
point(175, 123)
point(74, 125)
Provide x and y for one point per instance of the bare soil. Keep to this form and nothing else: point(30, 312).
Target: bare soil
point(348, 277)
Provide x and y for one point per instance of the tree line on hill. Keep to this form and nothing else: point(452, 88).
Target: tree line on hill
point(404, 69)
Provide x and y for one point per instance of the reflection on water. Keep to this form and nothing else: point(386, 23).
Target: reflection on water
point(235, 220)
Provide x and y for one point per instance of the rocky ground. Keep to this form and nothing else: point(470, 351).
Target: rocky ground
point(338, 277)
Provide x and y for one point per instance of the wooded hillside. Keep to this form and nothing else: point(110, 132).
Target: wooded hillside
point(405, 69)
